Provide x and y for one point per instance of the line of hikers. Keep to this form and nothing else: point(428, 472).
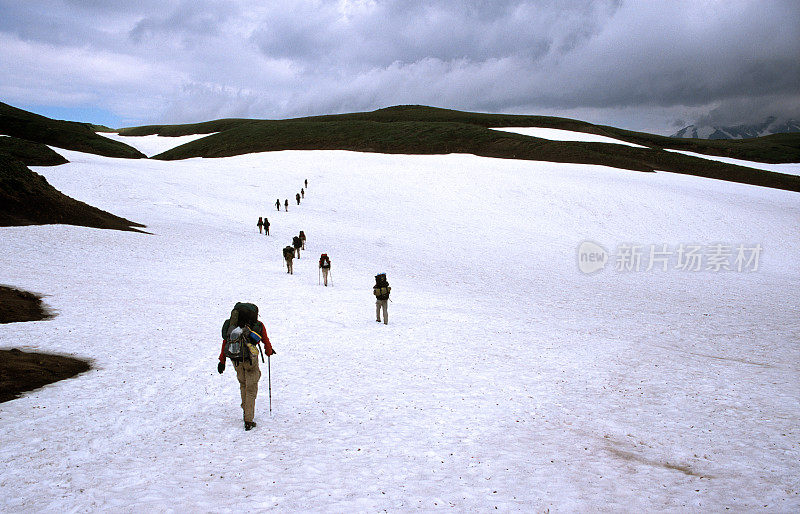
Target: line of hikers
point(243, 333)
point(297, 197)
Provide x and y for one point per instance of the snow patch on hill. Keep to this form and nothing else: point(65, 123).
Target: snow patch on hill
point(564, 135)
point(153, 144)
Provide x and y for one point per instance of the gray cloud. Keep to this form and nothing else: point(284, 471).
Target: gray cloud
point(642, 65)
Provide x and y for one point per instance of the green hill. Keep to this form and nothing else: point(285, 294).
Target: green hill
point(780, 148)
point(437, 137)
point(30, 153)
point(69, 135)
point(206, 127)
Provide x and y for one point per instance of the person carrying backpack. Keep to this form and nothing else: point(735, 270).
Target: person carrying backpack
point(297, 197)
point(241, 335)
point(381, 291)
point(278, 204)
point(288, 255)
point(260, 223)
point(286, 205)
point(297, 244)
point(325, 266)
point(302, 193)
point(303, 239)
point(266, 226)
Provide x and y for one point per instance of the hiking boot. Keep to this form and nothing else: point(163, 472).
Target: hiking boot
point(249, 425)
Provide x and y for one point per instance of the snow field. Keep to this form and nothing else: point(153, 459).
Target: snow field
point(505, 377)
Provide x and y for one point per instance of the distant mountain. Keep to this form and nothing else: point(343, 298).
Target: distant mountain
point(767, 127)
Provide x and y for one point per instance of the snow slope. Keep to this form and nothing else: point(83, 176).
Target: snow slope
point(506, 377)
point(565, 135)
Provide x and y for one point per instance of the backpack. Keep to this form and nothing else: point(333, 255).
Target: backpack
point(288, 252)
point(324, 261)
point(241, 332)
point(381, 289)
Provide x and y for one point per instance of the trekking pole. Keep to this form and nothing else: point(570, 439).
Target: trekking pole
point(269, 382)
point(330, 272)
point(319, 271)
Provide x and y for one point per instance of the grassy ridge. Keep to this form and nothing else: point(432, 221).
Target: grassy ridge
point(447, 137)
point(778, 148)
point(781, 149)
point(30, 153)
point(62, 134)
point(206, 127)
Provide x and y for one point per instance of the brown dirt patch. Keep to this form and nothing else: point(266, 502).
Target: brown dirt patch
point(24, 371)
point(16, 305)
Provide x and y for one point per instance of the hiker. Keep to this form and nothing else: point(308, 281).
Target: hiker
point(297, 197)
point(325, 266)
point(306, 182)
point(288, 255)
point(241, 335)
point(381, 291)
point(286, 205)
point(297, 244)
point(266, 226)
point(278, 204)
point(302, 192)
point(303, 239)
point(260, 224)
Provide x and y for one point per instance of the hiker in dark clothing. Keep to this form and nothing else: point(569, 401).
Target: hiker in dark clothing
point(297, 197)
point(306, 182)
point(325, 267)
point(303, 239)
point(266, 226)
point(260, 223)
point(288, 255)
point(278, 204)
point(302, 192)
point(286, 205)
point(381, 291)
point(297, 244)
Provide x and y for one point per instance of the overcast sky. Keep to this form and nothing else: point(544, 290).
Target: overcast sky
point(653, 65)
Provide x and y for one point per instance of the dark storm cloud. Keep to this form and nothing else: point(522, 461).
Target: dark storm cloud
point(630, 63)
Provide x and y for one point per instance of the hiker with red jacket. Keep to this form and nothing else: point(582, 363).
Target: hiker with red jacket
point(303, 239)
point(260, 224)
point(244, 331)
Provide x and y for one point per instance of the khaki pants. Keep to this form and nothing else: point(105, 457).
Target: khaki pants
point(382, 304)
point(325, 275)
point(289, 266)
point(248, 375)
